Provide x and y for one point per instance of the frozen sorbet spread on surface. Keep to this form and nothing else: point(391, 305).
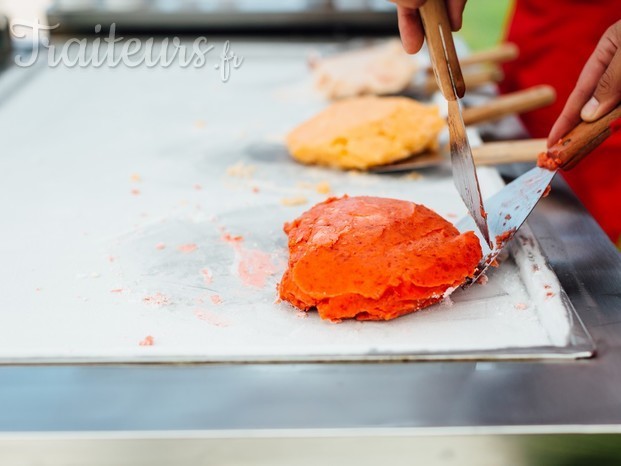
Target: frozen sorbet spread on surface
point(381, 69)
point(364, 132)
point(372, 258)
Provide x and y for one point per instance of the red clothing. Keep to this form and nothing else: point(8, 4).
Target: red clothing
point(555, 38)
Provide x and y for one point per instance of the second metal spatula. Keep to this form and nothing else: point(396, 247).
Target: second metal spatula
point(509, 208)
point(450, 80)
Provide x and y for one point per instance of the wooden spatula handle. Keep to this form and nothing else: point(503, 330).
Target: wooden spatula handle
point(440, 38)
point(585, 137)
point(515, 102)
point(499, 54)
point(494, 153)
point(472, 78)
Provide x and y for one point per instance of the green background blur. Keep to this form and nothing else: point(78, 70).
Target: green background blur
point(484, 22)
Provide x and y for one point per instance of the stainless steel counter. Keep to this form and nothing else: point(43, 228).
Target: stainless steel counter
point(451, 412)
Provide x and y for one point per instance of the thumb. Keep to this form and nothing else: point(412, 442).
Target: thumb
point(607, 92)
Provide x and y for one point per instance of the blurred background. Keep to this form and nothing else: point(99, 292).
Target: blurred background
point(483, 19)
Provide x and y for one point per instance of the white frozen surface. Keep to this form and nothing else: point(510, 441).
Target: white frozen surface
point(79, 249)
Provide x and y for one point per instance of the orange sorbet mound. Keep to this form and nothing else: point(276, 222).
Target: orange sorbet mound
point(372, 258)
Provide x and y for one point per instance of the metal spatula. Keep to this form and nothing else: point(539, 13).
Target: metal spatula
point(509, 208)
point(448, 74)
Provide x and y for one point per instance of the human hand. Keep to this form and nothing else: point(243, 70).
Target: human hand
point(598, 89)
point(410, 26)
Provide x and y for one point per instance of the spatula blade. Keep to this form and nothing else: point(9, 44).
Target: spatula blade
point(464, 171)
point(508, 209)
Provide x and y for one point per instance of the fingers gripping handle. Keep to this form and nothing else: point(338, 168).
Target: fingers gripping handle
point(442, 49)
point(581, 140)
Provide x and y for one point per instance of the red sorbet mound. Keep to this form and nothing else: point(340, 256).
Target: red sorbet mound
point(372, 258)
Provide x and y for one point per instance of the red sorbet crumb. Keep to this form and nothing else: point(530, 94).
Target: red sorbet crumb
point(190, 247)
point(550, 159)
point(207, 276)
point(148, 341)
point(227, 237)
point(160, 246)
point(216, 299)
point(506, 236)
point(158, 299)
point(482, 280)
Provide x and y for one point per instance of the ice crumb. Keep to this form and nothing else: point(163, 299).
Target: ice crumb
point(293, 201)
point(447, 301)
point(207, 276)
point(158, 299)
point(313, 59)
point(95, 275)
point(449, 291)
point(241, 170)
point(200, 124)
point(323, 187)
point(216, 299)
point(253, 266)
point(413, 176)
point(483, 279)
point(210, 317)
point(228, 238)
point(187, 248)
point(148, 341)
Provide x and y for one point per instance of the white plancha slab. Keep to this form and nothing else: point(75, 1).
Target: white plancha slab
point(79, 252)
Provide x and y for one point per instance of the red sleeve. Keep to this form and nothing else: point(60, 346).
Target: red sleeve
point(555, 39)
